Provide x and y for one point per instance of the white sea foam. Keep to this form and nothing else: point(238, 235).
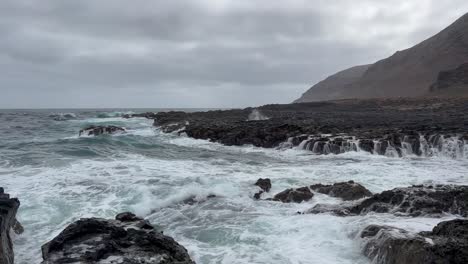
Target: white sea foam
point(232, 227)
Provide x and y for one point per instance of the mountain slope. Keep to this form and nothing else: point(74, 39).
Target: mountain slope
point(452, 83)
point(333, 86)
point(409, 72)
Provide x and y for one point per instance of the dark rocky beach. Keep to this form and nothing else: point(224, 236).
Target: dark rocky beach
point(417, 126)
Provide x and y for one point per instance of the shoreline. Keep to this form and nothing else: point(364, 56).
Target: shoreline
point(395, 127)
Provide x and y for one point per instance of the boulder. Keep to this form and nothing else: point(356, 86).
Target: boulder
point(264, 184)
point(100, 130)
point(127, 239)
point(447, 243)
point(344, 190)
point(8, 208)
point(297, 195)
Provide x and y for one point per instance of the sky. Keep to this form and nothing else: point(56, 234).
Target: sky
point(197, 53)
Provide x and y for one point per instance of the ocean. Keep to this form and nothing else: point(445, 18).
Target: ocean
point(60, 177)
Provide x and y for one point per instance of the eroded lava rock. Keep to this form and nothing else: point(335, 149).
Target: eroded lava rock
point(447, 243)
point(416, 200)
point(344, 190)
point(8, 208)
point(126, 240)
point(100, 130)
point(294, 195)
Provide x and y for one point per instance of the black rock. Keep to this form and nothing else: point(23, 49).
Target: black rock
point(410, 201)
point(334, 127)
point(100, 130)
point(446, 244)
point(264, 184)
point(344, 190)
point(8, 208)
point(128, 239)
point(258, 195)
point(417, 200)
point(297, 195)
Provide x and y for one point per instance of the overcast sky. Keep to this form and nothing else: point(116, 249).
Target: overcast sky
point(196, 53)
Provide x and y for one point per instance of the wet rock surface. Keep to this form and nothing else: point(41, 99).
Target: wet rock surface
point(417, 200)
point(344, 190)
point(447, 243)
point(100, 130)
point(419, 126)
point(264, 184)
point(8, 208)
point(127, 239)
point(294, 195)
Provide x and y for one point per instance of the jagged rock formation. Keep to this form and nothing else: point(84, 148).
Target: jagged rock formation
point(406, 73)
point(100, 130)
point(333, 86)
point(345, 190)
point(393, 127)
point(127, 239)
point(446, 244)
point(416, 200)
point(8, 208)
point(452, 82)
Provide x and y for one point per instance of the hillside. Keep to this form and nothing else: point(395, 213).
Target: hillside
point(407, 73)
point(333, 86)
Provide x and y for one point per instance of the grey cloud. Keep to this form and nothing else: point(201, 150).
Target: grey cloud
point(196, 53)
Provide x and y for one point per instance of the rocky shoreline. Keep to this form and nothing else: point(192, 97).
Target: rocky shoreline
point(131, 239)
point(393, 127)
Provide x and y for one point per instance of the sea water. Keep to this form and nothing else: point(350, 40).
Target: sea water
point(60, 177)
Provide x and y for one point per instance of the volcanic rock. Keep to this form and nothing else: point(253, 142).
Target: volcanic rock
point(446, 244)
point(417, 200)
point(297, 195)
point(344, 190)
point(8, 208)
point(264, 184)
point(128, 239)
point(413, 201)
point(100, 130)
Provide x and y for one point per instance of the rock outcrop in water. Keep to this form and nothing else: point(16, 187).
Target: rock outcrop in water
point(294, 195)
point(447, 243)
point(8, 208)
point(392, 127)
point(126, 240)
point(265, 186)
point(345, 190)
point(100, 130)
point(410, 201)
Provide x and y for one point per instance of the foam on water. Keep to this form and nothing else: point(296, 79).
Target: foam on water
point(152, 173)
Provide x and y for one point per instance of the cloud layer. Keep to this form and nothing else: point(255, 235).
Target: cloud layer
point(196, 53)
